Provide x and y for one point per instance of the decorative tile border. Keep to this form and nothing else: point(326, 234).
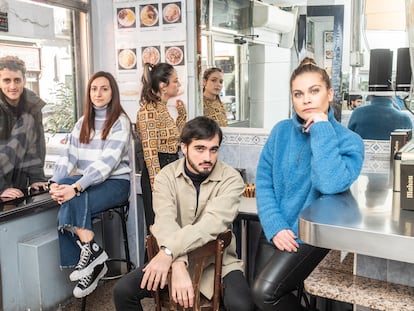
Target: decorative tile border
point(377, 156)
point(239, 136)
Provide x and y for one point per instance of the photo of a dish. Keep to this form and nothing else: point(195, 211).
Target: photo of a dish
point(171, 13)
point(150, 54)
point(149, 15)
point(126, 17)
point(174, 55)
point(329, 54)
point(328, 36)
point(127, 59)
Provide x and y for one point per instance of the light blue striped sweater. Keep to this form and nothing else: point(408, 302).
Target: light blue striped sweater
point(100, 159)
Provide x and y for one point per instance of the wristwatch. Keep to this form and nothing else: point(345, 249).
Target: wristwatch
point(50, 182)
point(77, 192)
point(166, 251)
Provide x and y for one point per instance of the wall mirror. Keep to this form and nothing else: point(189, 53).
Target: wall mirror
point(223, 42)
point(323, 32)
point(383, 25)
point(320, 36)
point(221, 24)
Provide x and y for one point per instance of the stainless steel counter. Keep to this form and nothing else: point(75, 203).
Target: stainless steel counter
point(366, 220)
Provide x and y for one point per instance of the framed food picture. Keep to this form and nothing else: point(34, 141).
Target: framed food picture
point(127, 59)
point(126, 17)
point(171, 13)
point(328, 50)
point(174, 55)
point(149, 15)
point(150, 54)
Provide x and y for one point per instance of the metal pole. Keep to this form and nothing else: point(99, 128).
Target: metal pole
point(409, 9)
point(356, 55)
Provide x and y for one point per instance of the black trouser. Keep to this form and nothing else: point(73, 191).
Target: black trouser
point(128, 293)
point(164, 159)
point(279, 273)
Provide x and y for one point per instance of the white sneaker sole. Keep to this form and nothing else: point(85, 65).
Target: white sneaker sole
point(78, 293)
point(79, 274)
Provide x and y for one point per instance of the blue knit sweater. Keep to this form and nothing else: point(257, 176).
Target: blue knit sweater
point(379, 119)
point(296, 168)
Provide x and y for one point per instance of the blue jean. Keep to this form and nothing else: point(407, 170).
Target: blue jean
point(79, 211)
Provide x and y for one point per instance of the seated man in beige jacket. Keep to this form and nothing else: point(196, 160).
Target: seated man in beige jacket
point(195, 198)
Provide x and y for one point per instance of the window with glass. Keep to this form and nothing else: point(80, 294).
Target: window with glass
point(52, 40)
point(222, 23)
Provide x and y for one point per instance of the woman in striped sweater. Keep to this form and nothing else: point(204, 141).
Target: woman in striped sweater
point(91, 176)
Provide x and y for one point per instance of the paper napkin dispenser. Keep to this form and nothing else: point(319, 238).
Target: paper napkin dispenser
point(404, 175)
point(399, 138)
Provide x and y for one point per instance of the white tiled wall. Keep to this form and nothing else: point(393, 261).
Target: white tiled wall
point(241, 148)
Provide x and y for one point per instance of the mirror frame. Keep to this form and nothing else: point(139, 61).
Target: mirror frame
point(337, 11)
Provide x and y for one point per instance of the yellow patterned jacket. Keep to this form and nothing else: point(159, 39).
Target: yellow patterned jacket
point(215, 110)
point(158, 133)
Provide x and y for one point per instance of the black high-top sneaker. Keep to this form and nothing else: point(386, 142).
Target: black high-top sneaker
point(91, 255)
point(88, 284)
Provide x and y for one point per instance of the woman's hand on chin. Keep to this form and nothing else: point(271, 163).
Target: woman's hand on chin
point(314, 118)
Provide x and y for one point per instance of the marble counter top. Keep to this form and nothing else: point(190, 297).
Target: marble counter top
point(333, 279)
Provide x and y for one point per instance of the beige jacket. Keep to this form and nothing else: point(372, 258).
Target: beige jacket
point(182, 225)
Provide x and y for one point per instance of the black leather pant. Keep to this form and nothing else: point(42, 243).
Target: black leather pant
point(280, 273)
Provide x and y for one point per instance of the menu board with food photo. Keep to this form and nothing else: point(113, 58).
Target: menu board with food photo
point(174, 55)
point(127, 59)
point(171, 13)
point(150, 54)
point(328, 46)
point(126, 17)
point(149, 16)
point(148, 31)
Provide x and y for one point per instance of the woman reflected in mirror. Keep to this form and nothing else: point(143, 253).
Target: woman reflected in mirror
point(213, 107)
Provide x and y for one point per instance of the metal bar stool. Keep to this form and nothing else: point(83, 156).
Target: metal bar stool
point(122, 211)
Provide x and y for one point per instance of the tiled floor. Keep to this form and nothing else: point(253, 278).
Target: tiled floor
point(100, 300)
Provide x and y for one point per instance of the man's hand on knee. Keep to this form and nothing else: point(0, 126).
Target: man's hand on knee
point(182, 290)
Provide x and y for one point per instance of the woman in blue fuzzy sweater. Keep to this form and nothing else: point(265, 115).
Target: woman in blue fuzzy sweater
point(304, 157)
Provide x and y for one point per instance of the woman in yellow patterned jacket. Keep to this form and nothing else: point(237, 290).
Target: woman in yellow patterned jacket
point(212, 105)
point(158, 131)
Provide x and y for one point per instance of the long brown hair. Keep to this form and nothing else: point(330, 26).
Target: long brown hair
point(114, 109)
point(152, 76)
point(309, 65)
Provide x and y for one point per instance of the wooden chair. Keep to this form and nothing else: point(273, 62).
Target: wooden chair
point(197, 260)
